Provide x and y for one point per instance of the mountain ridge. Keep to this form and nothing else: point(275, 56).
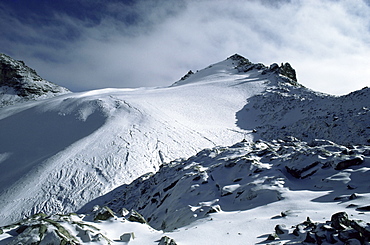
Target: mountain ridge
point(20, 83)
point(120, 147)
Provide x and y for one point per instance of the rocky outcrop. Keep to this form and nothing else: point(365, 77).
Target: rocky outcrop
point(292, 110)
point(244, 65)
point(339, 230)
point(288, 71)
point(285, 69)
point(348, 163)
point(165, 240)
point(134, 216)
point(187, 75)
point(54, 229)
point(19, 83)
point(42, 229)
point(103, 213)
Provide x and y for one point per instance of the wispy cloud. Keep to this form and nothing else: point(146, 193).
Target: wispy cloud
point(153, 43)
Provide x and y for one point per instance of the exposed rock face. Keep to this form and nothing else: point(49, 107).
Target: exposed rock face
point(243, 65)
point(165, 240)
point(288, 71)
point(187, 75)
point(340, 220)
point(285, 69)
point(134, 216)
point(103, 213)
point(19, 83)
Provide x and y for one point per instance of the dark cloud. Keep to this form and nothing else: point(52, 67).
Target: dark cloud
point(85, 44)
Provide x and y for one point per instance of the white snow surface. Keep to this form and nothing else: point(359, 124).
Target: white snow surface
point(221, 157)
point(58, 154)
point(227, 195)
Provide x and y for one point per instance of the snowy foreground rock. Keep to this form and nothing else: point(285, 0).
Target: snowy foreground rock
point(271, 184)
point(236, 153)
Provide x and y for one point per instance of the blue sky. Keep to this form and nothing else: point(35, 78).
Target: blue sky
point(84, 45)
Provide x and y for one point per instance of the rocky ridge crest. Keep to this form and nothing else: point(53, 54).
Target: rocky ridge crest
point(20, 83)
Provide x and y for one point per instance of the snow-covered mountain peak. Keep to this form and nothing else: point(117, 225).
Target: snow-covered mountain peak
point(19, 83)
point(213, 73)
point(239, 65)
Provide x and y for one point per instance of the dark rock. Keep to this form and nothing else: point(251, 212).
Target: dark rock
point(21, 228)
point(353, 196)
point(281, 229)
point(328, 228)
point(347, 234)
point(348, 163)
point(298, 230)
point(348, 152)
point(362, 227)
point(340, 230)
point(274, 67)
point(352, 241)
point(187, 75)
point(272, 237)
point(297, 172)
point(310, 238)
point(340, 220)
point(196, 178)
point(103, 214)
point(309, 223)
point(288, 71)
point(258, 170)
point(284, 213)
point(170, 186)
point(341, 198)
point(367, 151)
point(24, 80)
point(349, 187)
point(213, 209)
point(321, 234)
point(230, 164)
point(165, 240)
point(136, 217)
point(244, 65)
point(240, 60)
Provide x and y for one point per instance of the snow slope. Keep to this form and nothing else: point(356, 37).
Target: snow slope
point(250, 193)
point(287, 160)
point(60, 153)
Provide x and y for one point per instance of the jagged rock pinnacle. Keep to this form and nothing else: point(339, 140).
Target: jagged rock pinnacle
point(288, 71)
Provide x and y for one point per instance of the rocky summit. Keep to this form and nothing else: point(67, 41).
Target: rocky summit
point(19, 82)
